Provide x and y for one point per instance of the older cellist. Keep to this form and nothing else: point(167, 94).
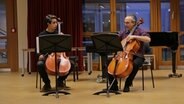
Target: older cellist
point(138, 58)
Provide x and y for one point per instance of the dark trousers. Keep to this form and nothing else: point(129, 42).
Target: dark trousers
point(104, 61)
point(44, 75)
point(137, 63)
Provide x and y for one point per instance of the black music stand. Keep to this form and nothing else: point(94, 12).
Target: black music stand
point(106, 43)
point(54, 43)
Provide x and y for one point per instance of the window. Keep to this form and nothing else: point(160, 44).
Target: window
point(165, 16)
point(140, 9)
point(3, 33)
point(181, 15)
point(96, 18)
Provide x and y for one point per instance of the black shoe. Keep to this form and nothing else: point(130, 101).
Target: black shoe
point(131, 85)
point(101, 80)
point(63, 86)
point(46, 88)
point(67, 88)
point(113, 89)
point(126, 89)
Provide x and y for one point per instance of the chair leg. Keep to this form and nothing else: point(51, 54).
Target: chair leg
point(37, 79)
point(37, 74)
point(40, 83)
point(119, 83)
point(74, 70)
point(77, 71)
point(152, 78)
point(142, 78)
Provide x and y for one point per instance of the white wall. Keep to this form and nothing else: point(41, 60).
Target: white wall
point(22, 29)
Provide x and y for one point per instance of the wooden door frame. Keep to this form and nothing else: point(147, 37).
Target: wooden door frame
point(156, 26)
point(12, 35)
point(176, 27)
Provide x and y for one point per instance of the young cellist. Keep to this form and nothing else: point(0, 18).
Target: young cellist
point(52, 25)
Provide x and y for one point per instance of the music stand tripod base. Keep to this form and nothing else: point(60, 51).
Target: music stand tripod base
point(54, 92)
point(175, 75)
point(106, 91)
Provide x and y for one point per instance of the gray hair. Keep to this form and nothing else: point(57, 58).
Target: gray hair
point(133, 17)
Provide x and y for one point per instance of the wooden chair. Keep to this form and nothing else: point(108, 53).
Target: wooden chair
point(147, 63)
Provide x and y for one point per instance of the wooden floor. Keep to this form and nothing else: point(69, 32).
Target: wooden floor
point(15, 89)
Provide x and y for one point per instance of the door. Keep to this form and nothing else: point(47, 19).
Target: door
point(3, 35)
point(8, 35)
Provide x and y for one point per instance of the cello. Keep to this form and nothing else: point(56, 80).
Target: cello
point(122, 64)
point(64, 64)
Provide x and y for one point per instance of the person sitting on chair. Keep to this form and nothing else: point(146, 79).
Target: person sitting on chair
point(52, 24)
point(104, 58)
point(138, 58)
